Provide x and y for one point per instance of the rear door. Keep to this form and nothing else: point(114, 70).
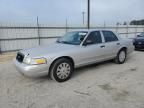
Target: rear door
point(112, 44)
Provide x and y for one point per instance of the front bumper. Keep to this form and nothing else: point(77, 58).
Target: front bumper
point(32, 70)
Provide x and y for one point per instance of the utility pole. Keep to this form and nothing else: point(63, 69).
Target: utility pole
point(104, 24)
point(83, 14)
point(88, 23)
point(38, 32)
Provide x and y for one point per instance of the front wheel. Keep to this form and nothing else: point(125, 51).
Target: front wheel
point(61, 70)
point(121, 57)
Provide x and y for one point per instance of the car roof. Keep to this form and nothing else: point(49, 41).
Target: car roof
point(90, 30)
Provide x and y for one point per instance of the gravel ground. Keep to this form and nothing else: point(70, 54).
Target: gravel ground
point(104, 85)
point(7, 57)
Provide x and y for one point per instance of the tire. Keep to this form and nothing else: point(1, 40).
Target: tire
point(61, 70)
point(121, 57)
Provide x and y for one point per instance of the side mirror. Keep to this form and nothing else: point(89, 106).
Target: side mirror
point(88, 42)
point(81, 38)
point(58, 39)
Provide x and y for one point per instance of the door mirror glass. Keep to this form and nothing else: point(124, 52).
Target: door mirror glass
point(81, 38)
point(88, 42)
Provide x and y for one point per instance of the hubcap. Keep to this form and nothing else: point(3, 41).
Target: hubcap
point(63, 70)
point(122, 56)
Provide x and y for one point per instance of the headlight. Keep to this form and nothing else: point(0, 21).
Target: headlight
point(34, 61)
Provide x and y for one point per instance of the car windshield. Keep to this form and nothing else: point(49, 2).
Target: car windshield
point(141, 35)
point(74, 38)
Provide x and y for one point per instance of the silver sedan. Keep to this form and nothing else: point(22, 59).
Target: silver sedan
point(73, 50)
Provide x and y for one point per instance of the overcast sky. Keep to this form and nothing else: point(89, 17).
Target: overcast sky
point(56, 11)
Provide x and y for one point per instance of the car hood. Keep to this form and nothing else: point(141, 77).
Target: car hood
point(45, 50)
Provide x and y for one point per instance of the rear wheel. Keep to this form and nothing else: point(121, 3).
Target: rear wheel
point(61, 70)
point(121, 57)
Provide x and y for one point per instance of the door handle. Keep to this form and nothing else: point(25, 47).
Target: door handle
point(102, 46)
point(118, 43)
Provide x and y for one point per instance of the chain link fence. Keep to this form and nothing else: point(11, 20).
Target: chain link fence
point(14, 37)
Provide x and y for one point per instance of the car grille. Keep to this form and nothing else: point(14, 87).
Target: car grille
point(20, 57)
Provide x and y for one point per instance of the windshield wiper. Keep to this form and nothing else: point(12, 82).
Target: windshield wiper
point(65, 42)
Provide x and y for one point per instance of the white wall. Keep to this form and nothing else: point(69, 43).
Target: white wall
point(10, 31)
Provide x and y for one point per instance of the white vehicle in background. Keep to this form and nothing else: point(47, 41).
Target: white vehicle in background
point(75, 49)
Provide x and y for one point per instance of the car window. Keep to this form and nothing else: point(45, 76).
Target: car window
point(109, 36)
point(94, 37)
point(74, 38)
point(141, 35)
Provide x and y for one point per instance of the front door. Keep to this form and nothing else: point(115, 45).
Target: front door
point(92, 49)
point(112, 44)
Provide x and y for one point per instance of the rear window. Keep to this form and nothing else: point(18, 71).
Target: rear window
point(109, 36)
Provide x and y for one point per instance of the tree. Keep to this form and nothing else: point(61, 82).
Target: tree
point(137, 22)
point(118, 24)
point(125, 23)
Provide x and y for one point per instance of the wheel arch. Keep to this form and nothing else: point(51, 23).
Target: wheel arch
point(116, 59)
point(123, 48)
point(66, 57)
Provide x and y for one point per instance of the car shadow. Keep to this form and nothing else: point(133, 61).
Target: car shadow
point(77, 71)
point(40, 79)
point(139, 50)
point(82, 70)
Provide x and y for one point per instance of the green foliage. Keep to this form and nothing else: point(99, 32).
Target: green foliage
point(137, 22)
point(125, 23)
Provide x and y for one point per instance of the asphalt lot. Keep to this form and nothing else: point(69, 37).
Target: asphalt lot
point(104, 85)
